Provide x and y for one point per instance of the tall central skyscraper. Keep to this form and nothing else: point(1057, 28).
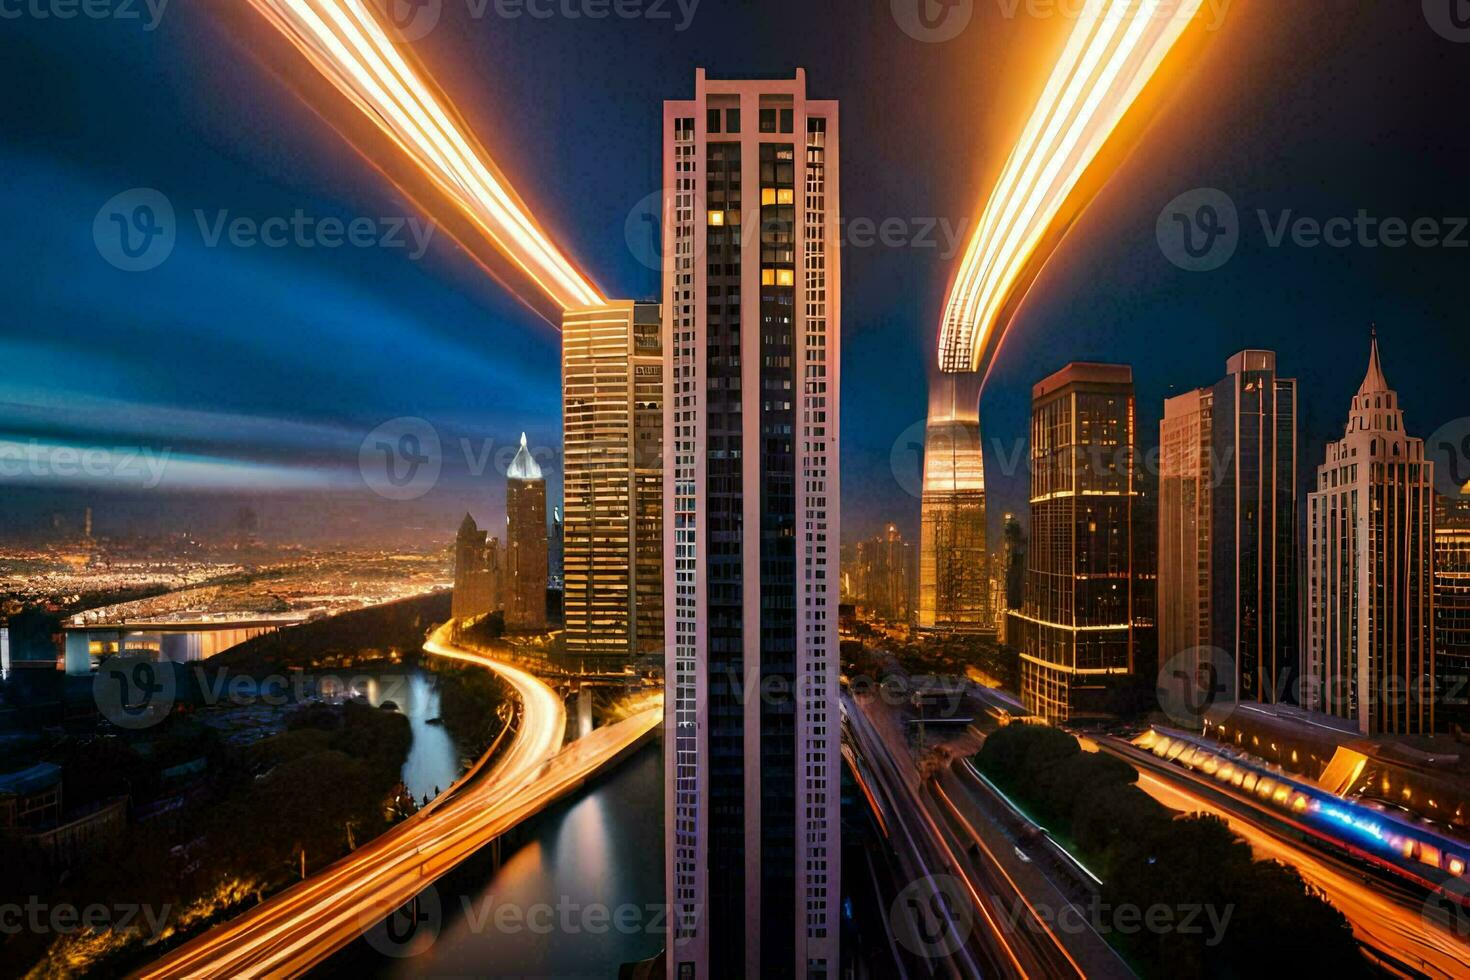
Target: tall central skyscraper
point(752, 308)
point(1228, 526)
point(1077, 631)
point(613, 430)
point(954, 567)
point(1370, 584)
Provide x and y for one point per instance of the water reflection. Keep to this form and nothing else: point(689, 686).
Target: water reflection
point(433, 762)
point(581, 896)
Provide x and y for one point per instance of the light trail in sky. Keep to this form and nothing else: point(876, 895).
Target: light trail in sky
point(344, 41)
point(1115, 49)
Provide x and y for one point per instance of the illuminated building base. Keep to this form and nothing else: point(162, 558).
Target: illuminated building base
point(954, 580)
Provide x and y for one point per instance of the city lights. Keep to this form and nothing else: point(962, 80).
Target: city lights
point(345, 43)
point(1114, 50)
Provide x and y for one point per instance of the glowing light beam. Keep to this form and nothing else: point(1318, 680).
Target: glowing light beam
point(345, 43)
point(1115, 49)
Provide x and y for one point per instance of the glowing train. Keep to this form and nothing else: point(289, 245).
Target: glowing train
point(1402, 845)
point(1116, 48)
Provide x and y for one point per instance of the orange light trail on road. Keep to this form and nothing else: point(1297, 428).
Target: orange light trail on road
point(345, 43)
point(1115, 49)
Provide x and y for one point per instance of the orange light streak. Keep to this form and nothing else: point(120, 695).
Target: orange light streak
point(347, 45)
point(1115, 49)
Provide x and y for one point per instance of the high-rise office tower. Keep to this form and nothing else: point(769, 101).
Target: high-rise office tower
point(1228, 527)
point(885, 575)
point(1076, 629)
point(526, 545)
point(752, 308)
point(477, 572)
point(612, 424)
point(954, 573)
point(1452, 608)
point(1370, 654)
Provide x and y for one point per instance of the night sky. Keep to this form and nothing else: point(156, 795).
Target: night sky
point(264, 369)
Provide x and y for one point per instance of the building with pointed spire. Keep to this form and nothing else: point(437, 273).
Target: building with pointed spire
point(1370, 638)
point(526, 543)
point(477, 572)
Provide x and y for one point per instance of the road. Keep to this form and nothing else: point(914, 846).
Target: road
point(302, 926)
point(1004, 931)
point(1386, 917)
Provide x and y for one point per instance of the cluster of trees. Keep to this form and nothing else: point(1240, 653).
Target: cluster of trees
point(303, 798)
point(1148, 857)
point(356, 637)
point(935, 654)
point(474, 706)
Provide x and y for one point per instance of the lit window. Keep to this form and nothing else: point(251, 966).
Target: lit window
point(717, 219)
point(786, 196)
point(768, 277)
point(786, 277)
point(768, 195)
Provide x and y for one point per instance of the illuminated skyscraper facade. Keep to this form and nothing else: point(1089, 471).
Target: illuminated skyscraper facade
point(527, 551)
point(612, 424)
point(477, 572)
point(752, 308)
point(1076, 630)
point(954, 566)
point(1370, 628)
point(1228, 526)
point(1452, 608)
point(884, 575)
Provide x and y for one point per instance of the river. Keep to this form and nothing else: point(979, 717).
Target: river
point(432, 763)
point(578, 892)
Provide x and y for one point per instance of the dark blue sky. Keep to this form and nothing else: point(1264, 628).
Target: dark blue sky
point(266, 368)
